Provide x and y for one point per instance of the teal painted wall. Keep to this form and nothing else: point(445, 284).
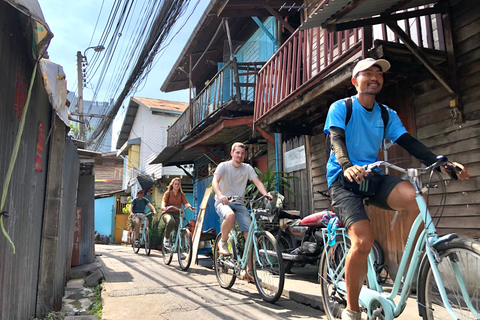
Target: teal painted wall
point(105, 217)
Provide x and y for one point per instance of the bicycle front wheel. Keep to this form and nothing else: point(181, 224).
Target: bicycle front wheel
point(460, 264)
point(185, 249)
point(146, 237)
point(167, 249)
point(135, 245)
point(268, 267)
point(225, 265)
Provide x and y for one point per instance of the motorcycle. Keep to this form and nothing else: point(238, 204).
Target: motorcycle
point(301, 239)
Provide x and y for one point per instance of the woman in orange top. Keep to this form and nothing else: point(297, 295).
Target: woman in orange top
point(174, 196)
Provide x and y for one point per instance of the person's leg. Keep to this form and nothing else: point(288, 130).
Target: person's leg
point(243, 219)
point(170, 223)
point(361, 237)
point(350, 210)
point(137, 225)
point(402, 197)
point(228, 220)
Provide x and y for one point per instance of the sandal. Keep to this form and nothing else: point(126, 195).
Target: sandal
point(248, 276)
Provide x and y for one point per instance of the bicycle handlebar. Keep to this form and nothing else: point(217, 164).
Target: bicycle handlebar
point(450, 168)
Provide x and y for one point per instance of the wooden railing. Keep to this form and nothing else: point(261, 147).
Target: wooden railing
point(235, 81)
point(311, 54)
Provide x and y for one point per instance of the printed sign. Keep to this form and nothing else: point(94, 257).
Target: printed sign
point(295, 159)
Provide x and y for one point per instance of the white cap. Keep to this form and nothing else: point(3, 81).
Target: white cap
point(367, 63)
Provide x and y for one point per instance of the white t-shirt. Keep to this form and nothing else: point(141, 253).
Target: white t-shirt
point(234, 180)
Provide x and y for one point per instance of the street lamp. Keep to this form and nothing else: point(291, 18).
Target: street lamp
point(80, 57)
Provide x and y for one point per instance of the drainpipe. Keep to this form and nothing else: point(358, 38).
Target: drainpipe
point(278, 136)
point(278, 141)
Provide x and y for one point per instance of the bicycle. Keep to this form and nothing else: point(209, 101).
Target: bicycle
point(263, 251)
point(143, 237)
point(448, 276)
point(180, 242)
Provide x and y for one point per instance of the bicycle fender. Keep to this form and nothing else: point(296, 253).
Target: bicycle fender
point(440, 247)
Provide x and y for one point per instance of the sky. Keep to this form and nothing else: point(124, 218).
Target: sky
point(75, 28)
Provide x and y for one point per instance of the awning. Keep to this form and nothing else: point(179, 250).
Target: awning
point(175, 156)
point(56, 87)
point(332, 12)
point(127, 145)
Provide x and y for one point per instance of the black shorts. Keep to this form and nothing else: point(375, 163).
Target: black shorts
point(349, 206)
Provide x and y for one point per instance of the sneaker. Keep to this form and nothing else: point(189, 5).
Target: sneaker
point(351, 315)
point(166, 242)
point(137, 243)
point(223, 248)
point(249, 277)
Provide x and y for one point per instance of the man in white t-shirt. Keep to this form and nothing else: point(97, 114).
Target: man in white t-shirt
point(230, 180)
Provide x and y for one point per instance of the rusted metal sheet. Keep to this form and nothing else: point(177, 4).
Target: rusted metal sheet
point(86, 196)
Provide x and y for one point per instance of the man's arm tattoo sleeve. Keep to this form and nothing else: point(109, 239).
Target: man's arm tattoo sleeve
point(416, 149)
point(339, 147)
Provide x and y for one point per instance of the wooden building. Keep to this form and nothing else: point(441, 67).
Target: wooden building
point(433, 86)
point(434, 52)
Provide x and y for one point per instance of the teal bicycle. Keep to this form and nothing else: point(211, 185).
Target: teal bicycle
point(448, 285)
point(180, 242)
point(261, 249)
point(143, 237)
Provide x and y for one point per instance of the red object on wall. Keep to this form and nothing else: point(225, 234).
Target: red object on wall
point(38, 158)
point(21, 90)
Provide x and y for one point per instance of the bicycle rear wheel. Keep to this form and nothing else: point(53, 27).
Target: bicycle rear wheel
point(332, 267)
point(224, 265)
point(464, 256)
point(185, 249)
point(268, 267)
point(167, 249)
point(135, 245)
point(146, 237)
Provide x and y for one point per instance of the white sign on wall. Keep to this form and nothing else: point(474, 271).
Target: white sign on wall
point(295, 159)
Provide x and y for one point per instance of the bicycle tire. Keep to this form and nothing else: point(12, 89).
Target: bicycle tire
point(466, 252)
point(185, 249)
point(286, 245)
point(146, 237)
point(135, 247)
point(333, 300)
point(167, 249)
point(268, 269)
point(225, 273)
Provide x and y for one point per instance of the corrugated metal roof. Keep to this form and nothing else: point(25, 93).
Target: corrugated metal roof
point(364, 9)
point(131, 113)
point(162, 104)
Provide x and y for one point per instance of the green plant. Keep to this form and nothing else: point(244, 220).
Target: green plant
point(270, 179)
point(97, 308)
point(157, 228)
point(75, 130)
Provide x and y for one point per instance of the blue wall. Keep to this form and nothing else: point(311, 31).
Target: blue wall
point(105, 217)
point(211, 217)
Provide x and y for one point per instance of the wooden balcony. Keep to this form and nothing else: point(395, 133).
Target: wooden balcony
point(310, 55)
point(234, 83)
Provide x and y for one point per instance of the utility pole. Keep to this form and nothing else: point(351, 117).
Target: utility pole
point(80, 57)
point(81, 125)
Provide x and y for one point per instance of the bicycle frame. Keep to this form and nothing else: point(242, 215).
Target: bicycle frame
point(143, 229)
point(181, 225)
point(427, 241)
point(253, 228)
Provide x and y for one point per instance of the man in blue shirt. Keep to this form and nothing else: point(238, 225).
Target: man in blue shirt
point(356, 142)
point(137, 211)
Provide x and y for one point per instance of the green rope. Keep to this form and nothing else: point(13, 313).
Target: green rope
point(13, 159)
